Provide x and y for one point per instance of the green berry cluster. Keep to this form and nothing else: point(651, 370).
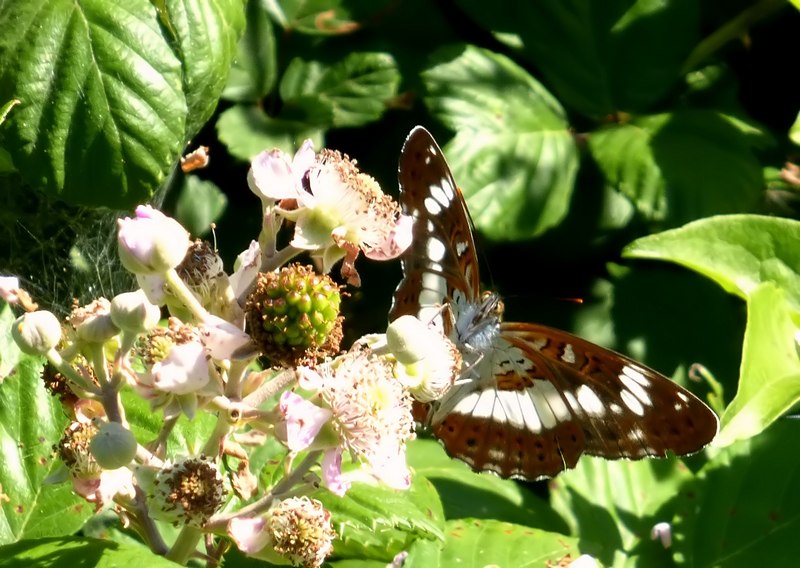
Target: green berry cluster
point(293, 311)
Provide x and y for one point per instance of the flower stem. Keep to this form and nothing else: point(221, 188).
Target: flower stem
point(271, 387)
point(179, 289)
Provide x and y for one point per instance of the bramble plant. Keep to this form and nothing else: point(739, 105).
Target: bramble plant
point(351, 422)
point(167, 398)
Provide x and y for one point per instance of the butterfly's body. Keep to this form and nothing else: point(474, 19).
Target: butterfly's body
point(531, 399)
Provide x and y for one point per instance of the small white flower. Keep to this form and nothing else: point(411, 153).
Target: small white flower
point(662, 532)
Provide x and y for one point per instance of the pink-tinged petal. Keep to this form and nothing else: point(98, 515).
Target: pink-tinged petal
point(153, 287)
point(304, 158)
point(249, 263)
point(151, 243)
point(8, 289)
point(392, 470)
point(271, 176)
point(184, 370)
point(248, 534)
point(222, 338)
point(332, 472)
point(302, 421)
point(396, 243)
point(309, 379)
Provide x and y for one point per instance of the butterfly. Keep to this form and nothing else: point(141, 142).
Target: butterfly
point(531, 399)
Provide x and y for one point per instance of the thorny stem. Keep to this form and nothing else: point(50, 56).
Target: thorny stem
point(271, 387)
point(221, 521)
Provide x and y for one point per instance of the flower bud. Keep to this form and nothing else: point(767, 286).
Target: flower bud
point(408, 339)
point(133, 312)
point(92, 322)
point(113, 446)
point(151, 243)
point(36, 333)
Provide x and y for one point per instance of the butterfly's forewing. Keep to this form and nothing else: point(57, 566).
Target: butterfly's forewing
point(532, 398)
point(441, 262)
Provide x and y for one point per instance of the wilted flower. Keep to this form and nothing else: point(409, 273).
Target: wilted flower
point(151, 243)
point(189, 491)
point(300, 530)
point(92, 323)
point(202, 272)
point(89, 480)
point(177, 373)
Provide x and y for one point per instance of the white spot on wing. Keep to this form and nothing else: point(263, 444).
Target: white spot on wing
point(436, 250)
point(439, 195)
point(540, 401)
point(432, 206)
point(554, 400)
point(448, 189)
point(569, 354)
point(461, 247)
point(636, 389)
point(632, 402)
point(589, 401)
point(509, 408)
point(636, 375)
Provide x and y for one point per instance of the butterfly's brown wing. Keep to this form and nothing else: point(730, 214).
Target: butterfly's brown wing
point(441, 262)
point(553, 396)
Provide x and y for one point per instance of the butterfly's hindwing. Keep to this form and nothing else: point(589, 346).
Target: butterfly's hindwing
point(531, 398)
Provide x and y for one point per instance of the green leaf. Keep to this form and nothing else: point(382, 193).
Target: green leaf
point(78, 552)
point(794, 131)
point(681, 166)
point(770, 377)
point(745, 509)
point(465, 493)
point(187, 437)
point(599, 58)
point(247, 130)
point(200, 203)
point(355, 89)
point(738, 252)
point(30, 508)
point(254, 70)
point(206, 34)
point(478, 543)
point(377, 522)
point(103, 110)
point(512, 155)
point(313, 17)
point(612, 505)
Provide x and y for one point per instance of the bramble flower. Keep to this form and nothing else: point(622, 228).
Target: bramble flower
point(332, 472)
point(428, 362)
point(340, 211)
point(371, 413)
point(663, 533)
point(246, 269)
point(188, 491)
point(9, 287)
point(151, 243)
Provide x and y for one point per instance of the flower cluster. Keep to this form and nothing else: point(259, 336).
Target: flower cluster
point(258, 350)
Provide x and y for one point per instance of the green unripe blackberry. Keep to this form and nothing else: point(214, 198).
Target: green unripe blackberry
point(293, 314)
